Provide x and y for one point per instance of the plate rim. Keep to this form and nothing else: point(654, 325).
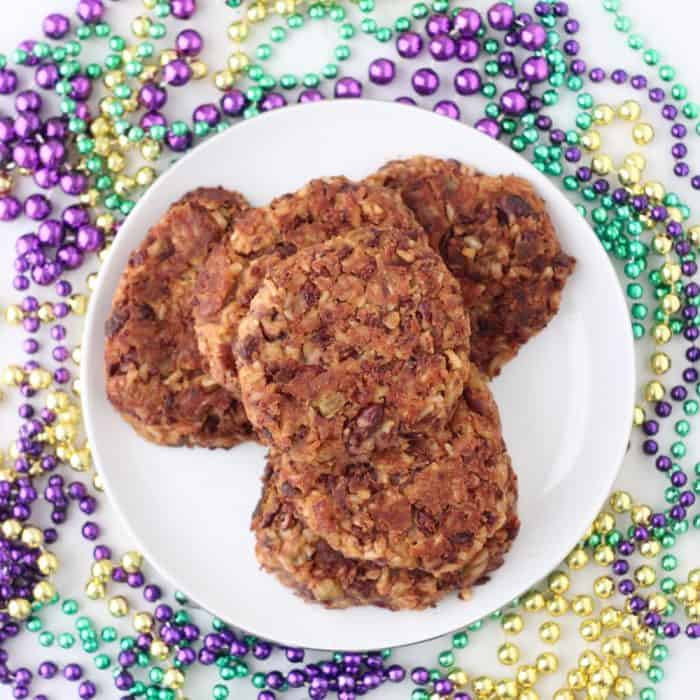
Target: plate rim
point(543, 186)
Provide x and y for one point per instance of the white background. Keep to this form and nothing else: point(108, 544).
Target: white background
point(672, 27)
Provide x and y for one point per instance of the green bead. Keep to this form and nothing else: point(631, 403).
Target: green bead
point(420, 10)
point(446, 659)
point(550, 97)
point(102, 661)
point(570, 183)
point(491, 68)
point(83, 623)
point(155, 675)
point(441, 5)
point(491, 46)
point(117, 43)
point(112, 61)
point(622, 23)
point(46, 638)
point(671, 494)
point(530, 135)
point(102, 30)
point(34, 624)
point(647, 694)
point(263, 52)
point(201, 129)
point(696, 522)
point(611, 5)
point(613, 538)
point(66, 640)
point(690, 110)
point(258, 680)
point(242, 669)
point(635, 290)
point(383, 34)
point(682, 428)
point(669, 562)
point(69, 607)
point(655, 674)
point(84, 32)
point(509, 126)
point(667, 73)
point(90, 646)
point(127, 643)
point(574, 83)
point(295, 21)
point(368, 25)
point(311, 80)
point(434, 675)
point(278, 34)
point(330, 70)
point(158, 132)
point(420, 694)
point(250, 112)
point(342, 52)
point(489, 90)
point(460, 640)
point(317, 11)
point(227, 674)
point(696, 487)
point(158, 30)
point(402, 24)
point(651, 57)
point(267, 82)
point(679, 91)
point(668, 541)
point(678, 449)
point(492, 110)
point(288, 81)
point(94, 71)
point(143, 660)
point(584, 121)
point(145, 49)
point(219, 692)
point(475, 626)
point(518, 144)
point(346, 31)
point(337, 13)
point(138, 689)
point(635, 42)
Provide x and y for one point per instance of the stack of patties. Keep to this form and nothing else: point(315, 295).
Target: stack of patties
point(355, 325)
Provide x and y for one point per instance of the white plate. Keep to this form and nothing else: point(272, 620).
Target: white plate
point(189, 509)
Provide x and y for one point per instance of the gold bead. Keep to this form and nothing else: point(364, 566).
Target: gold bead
point(661, 334)
point(76, 354)
point(694, 577)
point(40, 379)
point(512, 623)
point(577, 559)
point(547, 662)
point(662, 244)
point(675, 214)
point(105, 222)
point(604, 587)
point(693, 235)
point(589, 661)
point(483, 687)
point(550, 632)
point(603, 115)
point(6, 183)
point(508, 654)
point(602, 164)
point(237, 62)
point(95, 589)
point(507, 690)
point(646, 636)
point(150, 4)
point(582, 605)
point(650, 549)
point(57, 401)
point(590, 630)
point(124, 184)
point(256, 13)
point(621, 501)
point(285, 7)
point(629, 175)
point(687, 593)
point(528, 694)
point(563, 694)
point(173, 678)
point(654, 190)
point(671, 303)
point(159, 649)
point(118, 606)
point(660, 363)
point(19, 608)
point(613, 667)
point(597, 692)
point(145, 176)
point(44, 591)
point(14, 315)
point(641, 514)
point(639, 662)
point(12, 529)
point(610, 617)
point(533, 601)
point(100, 127)
point(223, 80)
point(116, 162)
point(199, 70)
point(558, 582)
point(576, 679)
point(604, 523)
point(629, 110)
point(643, 133)
point(654, 391)
point(32, 537)
point(78, 304)
point(143, 622)
point(526, 676)
point(617, 647)
point(140, 27)
point(623, 687)
point(132, 561)
point(237, 31)
point(557, 605)
point(150, 150)
point(591, 140)
point(458, 677)
point(604, 555)
point(602, 676)
point(636, 160)
point(167, 56)
point(102, 569)
point(12, 376)
point(47, 563)
point(97, 483)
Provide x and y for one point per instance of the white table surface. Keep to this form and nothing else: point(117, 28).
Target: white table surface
point(670, 24)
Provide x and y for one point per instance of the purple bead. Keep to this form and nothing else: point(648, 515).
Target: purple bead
point(28, 101)
point(152, 96)
point(8, 81)
point(672, 629)
point(620, 567)
point(124, 681)
point(37, 207)
point(274, 680)
point(597, 75)
point(695, 182)
point(420, 675)
point(681, 169)
point(189, 42)
point(81, 88)
point(572, 26)
point(467, 22)
point(75, 216)
point(652, 619)
point(533, 37)
point(693, 630)
point(650, 447)
point(679, 393)
point(25, 156)
point(52, 153)
point(692, 354)
point(657, 95)
point(447, 108)
point(663, 463)
point(638, 82)
point(409, 44)
point(467, 81)
point(90, 530)
point(619, 76)
point(442, 47)
point(48, 669)
point(74, 183)
point(30, 346)
point(151, 119)
point(87, 690)
point(55, 128)
point(72, 672)
point(47, 75)
point(535, 69)
point(177, 73)
point(488, 126)
point(56, 26)
point(101, 551)
point(443, 686)
point(438, 24)
point(513, 102)
point(90, 11)
point(183, 9)
point(233, 103)
point(501, 16)
point(348, 88)
point(152, 593)
point(294, 655)
point(273, 100)
point(396, 673)
point(626, 587)
point(468, 50)
point(7, 130)
point(425, 81)
point(296, 678)
point(10, 208)
point(70, 257)
point(571, 47)
point(382, 71)
point(207, 113)
point(310, 95)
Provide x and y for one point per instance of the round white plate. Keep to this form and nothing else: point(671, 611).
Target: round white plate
point(189, 509)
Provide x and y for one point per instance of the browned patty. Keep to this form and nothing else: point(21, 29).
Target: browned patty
point(262, 237)
point(497, 239)
point(351, 344)
point(308, 565)
point(432, 503)
point(156, 377)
